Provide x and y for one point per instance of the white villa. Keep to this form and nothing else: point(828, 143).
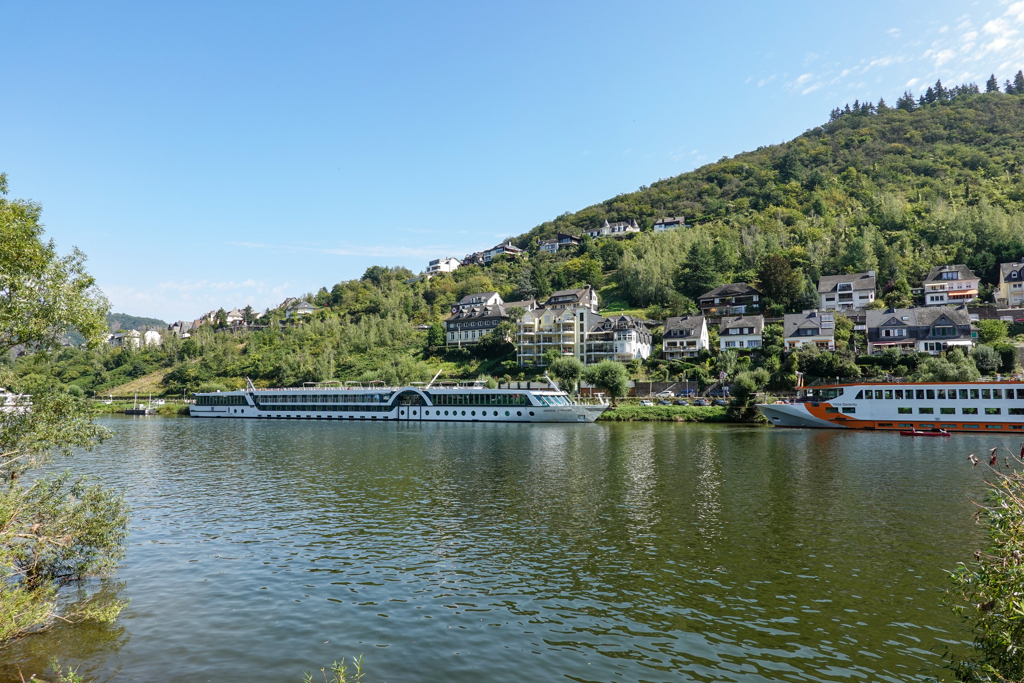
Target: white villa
point(742, 332)
point(449, 264)
point(947, 285)
point(684, 337)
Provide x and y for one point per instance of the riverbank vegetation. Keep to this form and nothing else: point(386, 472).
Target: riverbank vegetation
point(56, 529)
point(989, 592)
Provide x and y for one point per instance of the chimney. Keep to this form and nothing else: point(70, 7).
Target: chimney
point(871, 273)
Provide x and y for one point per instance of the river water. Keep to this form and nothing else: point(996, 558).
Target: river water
point(496, 552)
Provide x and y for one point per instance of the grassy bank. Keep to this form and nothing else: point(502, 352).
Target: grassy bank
point(118, 407)
point(637, 413)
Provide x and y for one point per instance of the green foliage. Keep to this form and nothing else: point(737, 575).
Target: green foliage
point(989, 592)
point(338, 673)
point(954, 366)
point(567, 371)
point(56, 530)
point(123, 321)
point(609, 376)
point(986, 359)
point(991, 331)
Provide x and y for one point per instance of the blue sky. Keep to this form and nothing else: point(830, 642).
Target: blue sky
point(224, 154)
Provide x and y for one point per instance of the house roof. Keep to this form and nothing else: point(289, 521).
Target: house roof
point(617, 322)
point(861, 282)
point(1006, 268)
point(918, 317)
point(664, 221)
point(809, 319)
point(754, 321)
point(528, 304)
point(733, 289)
point(478, 312)
point(468, 299)
point(302, 304)
point(577, 296)
point(686, 322)
point(965, 272)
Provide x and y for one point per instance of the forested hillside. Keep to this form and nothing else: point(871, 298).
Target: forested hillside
point(123, 321)
point(895, 189)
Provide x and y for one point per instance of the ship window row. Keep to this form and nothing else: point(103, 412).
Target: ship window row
point(906, 410)
point(220, 401)
point(324, 398)
point(331, 408)
point(940, 394)
point(478, 399)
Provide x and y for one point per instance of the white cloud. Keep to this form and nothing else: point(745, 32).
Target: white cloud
point(894, 32)
point(765, 81)
point(912, 82)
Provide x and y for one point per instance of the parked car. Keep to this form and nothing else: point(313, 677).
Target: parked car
point(701, 402)
point(664, 403)
point(664, 394)
point(722, 392)
point(682, 402)
point(646, 403)
point(720, 402)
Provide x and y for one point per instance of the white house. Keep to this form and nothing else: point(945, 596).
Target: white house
point(618, 337)
point(947, 285)
point(299, 309)
point(507, 249)
point(234, 316)
point(846, 292)
point(617, 229)
point(742, 332)
point(131, 339)
point(448, 264)
point(479, 299)
point(152, 338)
point(663, 224)
point(810, 327)
point(684, 337)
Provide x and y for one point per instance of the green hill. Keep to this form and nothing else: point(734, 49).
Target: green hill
point(123, 321)
point(894, 189)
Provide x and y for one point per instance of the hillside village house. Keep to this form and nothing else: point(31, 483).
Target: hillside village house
point(617, 229)
point(618, 337)
point(845, 292)
point(810, 327)
point(152, 338)
point(234, 316)
point(663, 224)
point(927, 330)
point(130, 339)
point(1010, 290)
point(737, 298)
point(742, 332)
point(950, 285)
point(507, 249)
point(477, 314)
point(299, 309)
point(180, 329)
point(448, 264)
point(561, 241)
point(568, 321)
point(684, 337)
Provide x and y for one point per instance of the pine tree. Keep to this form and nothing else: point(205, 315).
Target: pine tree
point(906, 103)
point(929, 95)
point(941, 94)
point(1008, 87)
point(881, 106)
point(992, 85)
point(1018, 83)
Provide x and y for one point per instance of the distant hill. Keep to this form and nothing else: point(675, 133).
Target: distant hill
point(123, 321)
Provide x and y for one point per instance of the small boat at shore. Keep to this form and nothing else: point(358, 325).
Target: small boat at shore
point(934, 432)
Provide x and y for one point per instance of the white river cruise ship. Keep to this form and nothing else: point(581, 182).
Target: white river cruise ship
point(443, 402)
point(948, 406)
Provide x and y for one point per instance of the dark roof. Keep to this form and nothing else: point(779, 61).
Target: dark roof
point(795, 321)
point(965, 272)
point(686, 322)
point(663, 221)
point(734, 289)
point(528, 304)
point(754, 321)
point(918, 317)
point(861, 282)
point(1006, 268)
point(618, 322)
point(479, 312)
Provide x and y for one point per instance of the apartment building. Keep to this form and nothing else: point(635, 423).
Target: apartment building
point(737, 298)
point(846, 292)
point(741, 332)
point(929, 330)
point(684, 337)
point(810, 327)
point(947, 285)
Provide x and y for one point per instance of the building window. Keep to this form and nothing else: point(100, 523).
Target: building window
point(925, 411)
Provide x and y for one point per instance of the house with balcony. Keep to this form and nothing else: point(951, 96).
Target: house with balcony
point(561, 241)
point(684, 337)
point(741, 332)
point(584, 296)
point(663, 224)
point(473, 320)
point(550, 246)
point(507, 249)
point(946, 285)
point(617, 229)
point(448, 264)
point(810, 327)
point(737, 298)
point(299, 309)
point(618, 337)
point(846, 292)
point(1010, 290)
point(561, 328)
point(929, 330)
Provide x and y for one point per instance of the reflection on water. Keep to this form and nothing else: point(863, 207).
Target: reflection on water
point(623, 552)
